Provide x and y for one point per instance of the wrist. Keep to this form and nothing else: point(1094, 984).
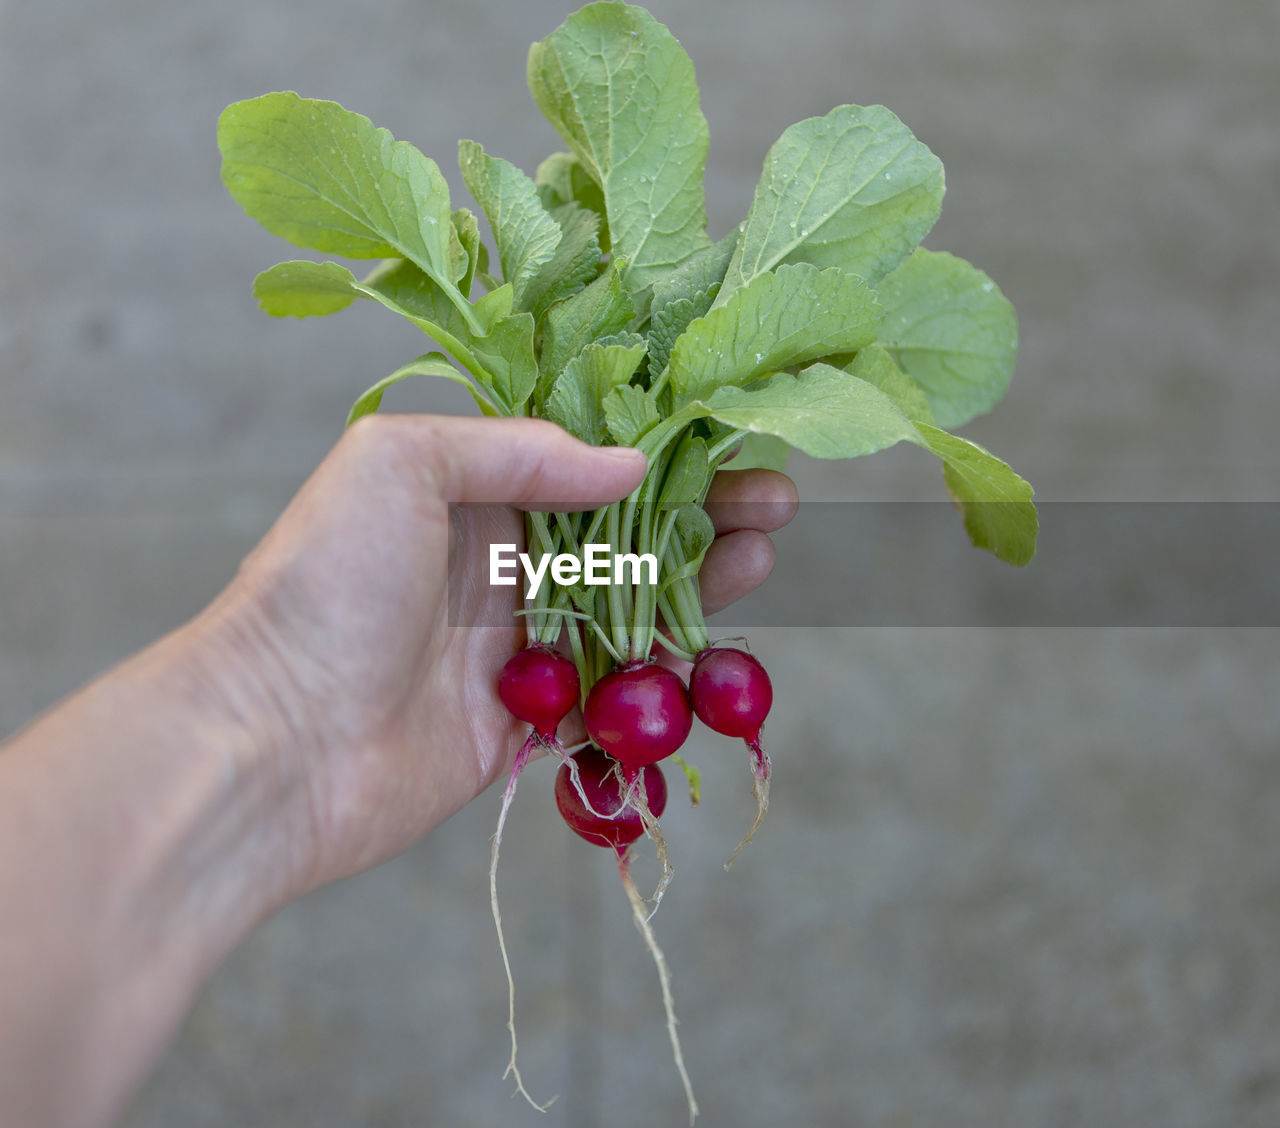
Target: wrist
point(147, 824)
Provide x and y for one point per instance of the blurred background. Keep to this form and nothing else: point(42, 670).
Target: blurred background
point(1013, 875)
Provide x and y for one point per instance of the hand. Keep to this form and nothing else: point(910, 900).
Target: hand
point(390, 720)
point(319, 717)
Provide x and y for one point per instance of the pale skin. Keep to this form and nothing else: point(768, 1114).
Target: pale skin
point(318, 718)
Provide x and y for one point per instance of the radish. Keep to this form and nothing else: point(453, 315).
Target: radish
point(601, 782)
point(639, 713)
point(605, 819)
point(540, 687)
point(731, 694)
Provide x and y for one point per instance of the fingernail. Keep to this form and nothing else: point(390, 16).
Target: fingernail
point(628, 453)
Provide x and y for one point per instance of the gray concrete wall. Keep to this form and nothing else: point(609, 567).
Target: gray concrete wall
point(1011, 876)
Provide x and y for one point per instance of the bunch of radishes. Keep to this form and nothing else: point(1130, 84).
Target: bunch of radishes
point(612, 792)
point(636, 715)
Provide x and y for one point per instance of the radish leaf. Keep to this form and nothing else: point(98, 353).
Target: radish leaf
point(562, 179)
point(853, 189)
point(761, 452)
point(429, 364)
point(877, 367)
point(822, 411)
point(630, 414)
point(324, 178)
point(524, 233)
point(686, 476)
point(576, 398)
point(304, 289)
point(467, 228)
point(832, 414)
point(600, 310)
point(951, 329)
point(620, 90)
point(781, 319)
point(575, 263)
point(996, 503)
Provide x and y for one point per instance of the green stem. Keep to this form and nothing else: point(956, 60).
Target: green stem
point(724, 446)
point(686, 602)
point(567, 534)
point(545, 539)
point(465, 308)
point(664, 535)
point(579, 615)
point(671, 647)
point(579, 660)
point(672, 622)
point(643, 621)
point(617, 605)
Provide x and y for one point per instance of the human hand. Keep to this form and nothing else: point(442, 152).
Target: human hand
point(388, 720)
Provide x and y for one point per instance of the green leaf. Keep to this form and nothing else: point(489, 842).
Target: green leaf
point(562, 179)
point(831, 414)
point(584, 597)
point(795, 314)
point(877, 367)
point(525, 235)
point(620, 90)
point(629, 413)
point(327, 179)
point(467, 228)
point(686, 474)
point(761, 452)
point(576, 399)
point(669, 322)
point(853, 189)
point(699, 274)
point(495, 305)
point(599, 310)
point(506, 352)
point(575, 263)
point(952, 330)
point(996, 503)
point(822, 411)
point(696, 534)
point(429, 364)
point(683, 296)
point(304, 289)
point(501, 360)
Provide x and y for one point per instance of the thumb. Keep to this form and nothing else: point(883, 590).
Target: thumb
point(527, 463)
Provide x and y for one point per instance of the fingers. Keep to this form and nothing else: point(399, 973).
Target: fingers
point(743, 506)
point(528, 463)
point(751, 499)
point(735, 565)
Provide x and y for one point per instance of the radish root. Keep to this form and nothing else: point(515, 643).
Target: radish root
point(636, 798)
point(522, 758)
point(575, 778)
point(664, 974)
point(761, 769)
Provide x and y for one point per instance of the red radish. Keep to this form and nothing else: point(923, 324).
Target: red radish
point(639, 714)
point(605, 820)
point(732, 695)
point(539, 686)
point(609, 819)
